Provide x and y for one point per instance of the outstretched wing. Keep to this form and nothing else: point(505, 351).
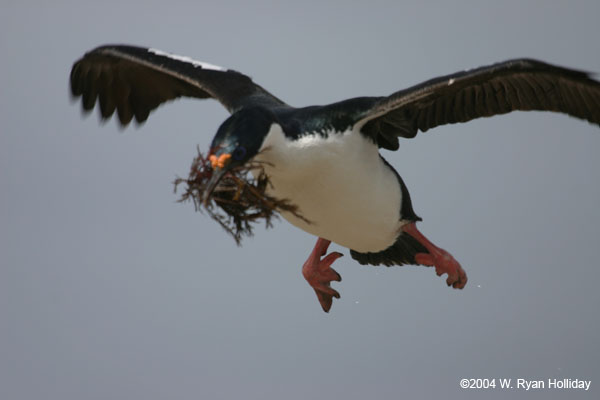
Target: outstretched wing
point(496, 89)
point(136, 80)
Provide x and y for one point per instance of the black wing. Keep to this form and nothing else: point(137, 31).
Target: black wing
point(496, 89)
point(136, 80)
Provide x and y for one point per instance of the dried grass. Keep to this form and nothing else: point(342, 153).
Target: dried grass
point(239, 200)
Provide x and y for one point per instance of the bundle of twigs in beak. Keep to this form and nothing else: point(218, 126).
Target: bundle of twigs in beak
point(238, 200)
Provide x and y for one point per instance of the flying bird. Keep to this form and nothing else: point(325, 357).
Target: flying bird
point(325, 159)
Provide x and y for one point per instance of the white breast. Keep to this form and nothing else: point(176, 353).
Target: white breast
point(339, 183)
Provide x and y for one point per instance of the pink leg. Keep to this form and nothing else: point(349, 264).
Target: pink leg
point(442, 260)
point(319, 274)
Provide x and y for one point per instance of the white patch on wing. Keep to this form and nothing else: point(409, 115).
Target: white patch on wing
point(195, 63)
point(450, 81)
point(340, 184)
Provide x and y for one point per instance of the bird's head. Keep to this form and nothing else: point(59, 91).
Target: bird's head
point(237, 141)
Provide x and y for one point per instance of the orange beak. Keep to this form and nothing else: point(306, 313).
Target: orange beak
point(218, 164)
point(220, 161)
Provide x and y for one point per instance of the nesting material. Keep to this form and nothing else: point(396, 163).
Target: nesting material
point(238, 201)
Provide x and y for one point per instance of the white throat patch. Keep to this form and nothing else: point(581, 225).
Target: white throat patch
point(340, 184)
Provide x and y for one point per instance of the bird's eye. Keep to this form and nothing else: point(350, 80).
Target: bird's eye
point(239, 153)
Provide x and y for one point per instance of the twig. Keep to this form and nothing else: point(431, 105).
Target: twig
point(239, 200)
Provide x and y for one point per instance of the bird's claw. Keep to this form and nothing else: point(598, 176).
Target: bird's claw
point(444, 263)
point(321, 280)
point(319, 274)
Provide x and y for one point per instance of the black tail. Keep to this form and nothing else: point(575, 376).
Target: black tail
point(400, 253)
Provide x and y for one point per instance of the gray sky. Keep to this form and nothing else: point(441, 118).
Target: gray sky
point(109, 289)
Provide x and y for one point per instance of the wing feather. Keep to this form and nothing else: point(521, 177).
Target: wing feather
point(513, 85)
point(135, 80)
